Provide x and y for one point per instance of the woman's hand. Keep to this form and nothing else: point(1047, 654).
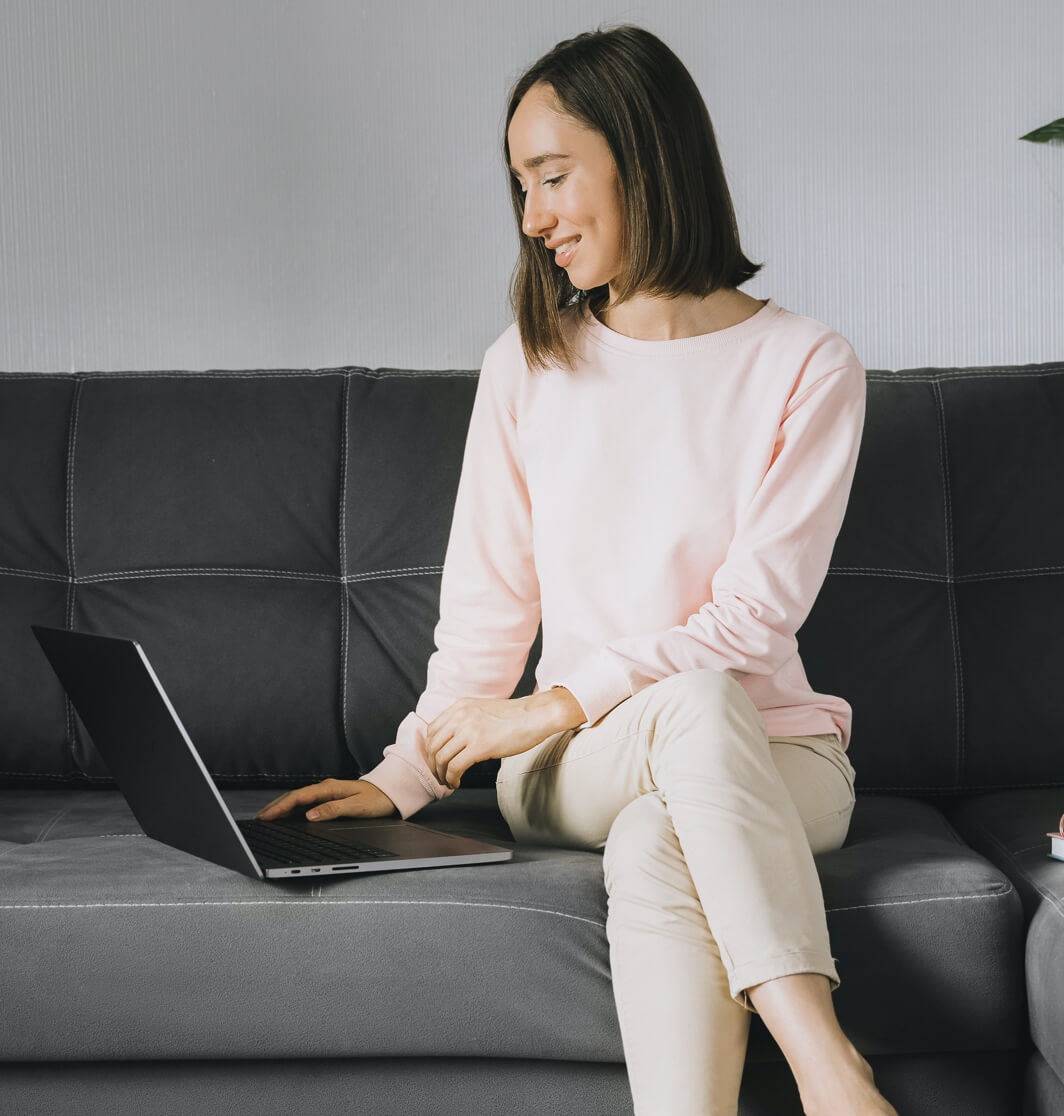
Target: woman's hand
point(476, 729)
point(347, 798)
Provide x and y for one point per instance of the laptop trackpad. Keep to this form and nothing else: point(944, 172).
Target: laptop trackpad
point(403, 838)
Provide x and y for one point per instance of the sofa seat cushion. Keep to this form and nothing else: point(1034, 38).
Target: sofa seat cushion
point(115, 947)
point(927, 933)
point(1009, 827)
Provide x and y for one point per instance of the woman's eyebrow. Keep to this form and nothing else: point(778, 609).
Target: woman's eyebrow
point(539, 160)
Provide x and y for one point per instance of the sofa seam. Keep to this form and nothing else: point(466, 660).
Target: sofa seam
point(951, 596)
point(1053, 900)
point(214, 775)
point(926, 575)
point(963, 787)
point(344, 607)
point(253, 571)
point(232, 571)
point(300, 903)
point(1001, 893)
point(883, 376)
point(246, 374)
point(50, 825)
point(71, 556)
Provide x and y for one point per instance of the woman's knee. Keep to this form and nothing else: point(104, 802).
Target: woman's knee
point(712, 685)
point(702, 722)
point(709, 696)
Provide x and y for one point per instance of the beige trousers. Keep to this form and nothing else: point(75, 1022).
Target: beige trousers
point(708, 829)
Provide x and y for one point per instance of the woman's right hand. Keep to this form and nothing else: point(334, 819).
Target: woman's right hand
point(332, 798)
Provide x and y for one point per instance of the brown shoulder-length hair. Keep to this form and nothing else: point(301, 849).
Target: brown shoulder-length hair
point(680, 233)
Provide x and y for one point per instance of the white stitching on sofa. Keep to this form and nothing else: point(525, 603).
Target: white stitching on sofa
point(951, 597)
point(301, 902)
point(206, 571)
point(962, 787)
point(911, 902)
point(988, 575)
point(234, 571)
point(992, 574)
point(39, 575)
point(250, 571)
point(80, 775)
point(916, 575)
point(250, 374)
point(1054, 900)
point(914, 377)
point(378, 575)
point(72, 570)
point(344, 609)
point(50, 825)
point(39, 775)
point(878, 375)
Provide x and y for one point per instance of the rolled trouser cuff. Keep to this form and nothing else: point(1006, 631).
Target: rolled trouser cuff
point(784, 964)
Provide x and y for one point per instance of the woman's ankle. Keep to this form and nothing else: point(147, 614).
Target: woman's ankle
point(842, 1085)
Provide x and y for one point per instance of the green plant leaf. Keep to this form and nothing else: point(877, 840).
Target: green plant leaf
point(1054, 131)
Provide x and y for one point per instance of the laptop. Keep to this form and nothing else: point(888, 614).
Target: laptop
point(137, 732)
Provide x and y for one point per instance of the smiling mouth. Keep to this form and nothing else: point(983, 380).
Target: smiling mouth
point(563, 253)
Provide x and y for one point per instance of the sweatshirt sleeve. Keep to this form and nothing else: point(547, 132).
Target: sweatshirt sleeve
point(774, 566)
point(489, 591)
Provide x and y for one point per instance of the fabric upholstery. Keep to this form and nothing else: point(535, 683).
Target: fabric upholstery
point(1009, 827)
point(150, 952)
point(949, 556)
point(957, 1085)
point(275, 540)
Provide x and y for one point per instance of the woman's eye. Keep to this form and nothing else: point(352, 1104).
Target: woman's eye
point(554, 181)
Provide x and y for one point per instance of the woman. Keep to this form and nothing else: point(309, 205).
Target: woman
point(657, 467)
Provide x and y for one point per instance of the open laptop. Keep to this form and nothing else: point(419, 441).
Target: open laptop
point(138, 733)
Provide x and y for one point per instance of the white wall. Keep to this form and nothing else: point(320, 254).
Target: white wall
point(302, 183)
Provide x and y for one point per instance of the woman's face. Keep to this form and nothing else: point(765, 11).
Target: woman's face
point(571, 187)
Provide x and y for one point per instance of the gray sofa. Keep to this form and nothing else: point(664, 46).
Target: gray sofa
point(275, 540)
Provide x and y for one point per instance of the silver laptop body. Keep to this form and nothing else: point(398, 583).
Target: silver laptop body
point(137, 732)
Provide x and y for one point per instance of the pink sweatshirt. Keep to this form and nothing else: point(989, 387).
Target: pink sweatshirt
point(668, 506)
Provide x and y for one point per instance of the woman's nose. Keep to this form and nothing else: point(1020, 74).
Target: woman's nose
point(538, 218)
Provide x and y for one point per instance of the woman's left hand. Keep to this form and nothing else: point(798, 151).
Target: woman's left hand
point(476, 729)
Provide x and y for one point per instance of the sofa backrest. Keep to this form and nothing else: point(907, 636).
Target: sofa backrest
point(275, 540)
point(942, 617)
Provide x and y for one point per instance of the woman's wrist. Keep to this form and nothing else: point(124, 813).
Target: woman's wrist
point(561, 710)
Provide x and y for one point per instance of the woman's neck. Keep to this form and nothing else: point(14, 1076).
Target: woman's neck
point(647, 318)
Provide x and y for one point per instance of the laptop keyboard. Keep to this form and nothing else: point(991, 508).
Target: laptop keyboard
point(292, 846)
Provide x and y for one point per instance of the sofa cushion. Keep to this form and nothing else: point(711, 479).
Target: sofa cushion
point(115, 946)
point(274, 539)
point(950, 551)
point(928, 935)
point(152, 953)
point(1009, 828)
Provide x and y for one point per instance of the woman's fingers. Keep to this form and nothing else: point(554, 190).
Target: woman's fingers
point(367, 801)
point(453, 770)
point(305, 797)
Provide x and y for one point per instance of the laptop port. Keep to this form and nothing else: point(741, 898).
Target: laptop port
point(343, 867)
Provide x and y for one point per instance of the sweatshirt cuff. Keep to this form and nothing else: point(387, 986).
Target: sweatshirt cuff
point(402, 784)
point(598, 684)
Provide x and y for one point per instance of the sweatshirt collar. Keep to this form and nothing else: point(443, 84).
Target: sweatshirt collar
point(706, 342)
